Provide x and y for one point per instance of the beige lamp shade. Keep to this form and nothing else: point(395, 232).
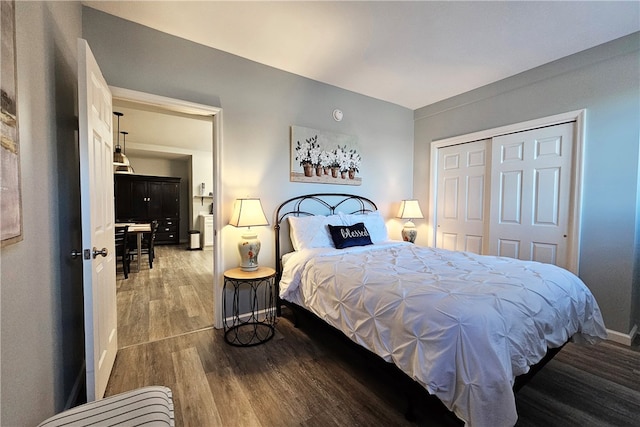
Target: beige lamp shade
point(409, 209)
point(248, 213)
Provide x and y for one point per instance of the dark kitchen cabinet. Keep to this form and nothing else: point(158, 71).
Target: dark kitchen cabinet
point(144, 198)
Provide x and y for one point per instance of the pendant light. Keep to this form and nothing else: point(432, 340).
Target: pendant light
point(120, 160)
point(126, 166)
point(118, 157)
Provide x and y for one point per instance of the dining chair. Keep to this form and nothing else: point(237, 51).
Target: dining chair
point(121, 238)
point(147, 244)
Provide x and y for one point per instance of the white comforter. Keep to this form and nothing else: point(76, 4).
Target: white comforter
point(462, 325)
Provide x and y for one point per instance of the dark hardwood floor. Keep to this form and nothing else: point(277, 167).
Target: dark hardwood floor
point(307, 377)
point(585, 386)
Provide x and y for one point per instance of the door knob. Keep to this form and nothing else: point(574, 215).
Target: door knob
point(75, 253)
point(104, 252)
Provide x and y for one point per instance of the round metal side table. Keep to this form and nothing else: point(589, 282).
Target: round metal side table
point(248, 307)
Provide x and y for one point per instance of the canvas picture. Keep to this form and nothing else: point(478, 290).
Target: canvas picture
point(10, 195)
point(324, 157)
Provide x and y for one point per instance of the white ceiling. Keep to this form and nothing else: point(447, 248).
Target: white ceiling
point(158, 133)
point(410, 53)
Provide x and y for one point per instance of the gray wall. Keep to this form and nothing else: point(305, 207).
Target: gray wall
point(41, 288)
point(260, 104)
point(606, 81)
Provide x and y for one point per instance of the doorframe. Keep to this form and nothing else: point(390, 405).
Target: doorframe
point(575, 209)
point(216, 113)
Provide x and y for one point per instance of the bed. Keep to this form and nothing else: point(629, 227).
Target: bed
point(468, 328)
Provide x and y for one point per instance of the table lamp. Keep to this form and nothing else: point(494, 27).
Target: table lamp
point(409, 209)
point(248, 213)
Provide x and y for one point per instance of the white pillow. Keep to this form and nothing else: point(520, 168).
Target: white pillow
point(311, 231)
point(373, 221)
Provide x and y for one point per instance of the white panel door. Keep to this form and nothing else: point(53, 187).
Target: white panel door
point(461, 194)
point(531, 194)
point(96, 193)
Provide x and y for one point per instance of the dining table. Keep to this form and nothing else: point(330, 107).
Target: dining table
point(139, 229)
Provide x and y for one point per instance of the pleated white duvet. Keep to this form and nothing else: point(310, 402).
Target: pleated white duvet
point(462, 325)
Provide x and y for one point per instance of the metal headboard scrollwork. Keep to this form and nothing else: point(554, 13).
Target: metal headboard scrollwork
point(314, 204)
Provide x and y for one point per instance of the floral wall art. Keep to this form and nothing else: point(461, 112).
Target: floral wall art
point(324, 157)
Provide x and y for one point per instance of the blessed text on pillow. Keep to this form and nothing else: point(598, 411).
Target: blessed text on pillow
point(345, 236)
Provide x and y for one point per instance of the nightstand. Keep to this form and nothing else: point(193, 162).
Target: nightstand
point(248, 306)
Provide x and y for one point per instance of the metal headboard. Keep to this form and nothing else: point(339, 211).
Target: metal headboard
point(314, 204)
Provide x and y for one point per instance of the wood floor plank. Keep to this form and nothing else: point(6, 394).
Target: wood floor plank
point(160, 362)
point(192, 387)
point(133, 318)
point(225, 388)
point(160, 319)
point(126, 374)
point(191, 301)
point(180, 322)
point(124, 300)
point(257, 376)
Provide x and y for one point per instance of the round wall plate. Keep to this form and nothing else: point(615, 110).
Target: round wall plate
point(337, 115)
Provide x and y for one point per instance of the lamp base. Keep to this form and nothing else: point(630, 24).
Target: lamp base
point(249, 248)
point(409, 232)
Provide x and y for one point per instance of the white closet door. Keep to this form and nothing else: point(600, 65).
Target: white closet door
point(460, 203)
point(530, 194)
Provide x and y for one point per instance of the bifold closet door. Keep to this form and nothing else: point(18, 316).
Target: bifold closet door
point(461, 192)
point(531, 194)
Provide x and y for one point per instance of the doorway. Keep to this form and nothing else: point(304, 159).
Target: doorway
point(168, 137)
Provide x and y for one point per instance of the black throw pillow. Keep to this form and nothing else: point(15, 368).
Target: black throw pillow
point(345, 236)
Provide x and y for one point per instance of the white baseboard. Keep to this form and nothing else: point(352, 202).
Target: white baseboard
point(75, 391)
point(620, 338)
point(261, 314)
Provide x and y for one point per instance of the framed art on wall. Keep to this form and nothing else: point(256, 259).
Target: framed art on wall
point(324, 157)
point(10, 192)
